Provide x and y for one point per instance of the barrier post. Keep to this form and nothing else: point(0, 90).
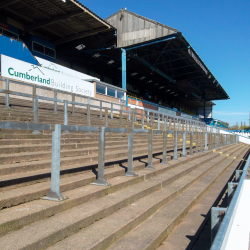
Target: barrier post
point(54, 193)
point(132, 120)
point(152, 124)
point(101, 109)
point(142, 120)
point(65, 115)
point(120, 120)
point(184, 145)
point(130, 171)
point(179, 124)
point(35, 114)
point(88, 115)
point(34, 95)
point(111, 115)
point(175, 146)
point(201, 142)
point(7, 101)
point(197, 142)
point(164, 155)
point(101, 159)
point(150, 150)
point(73, 105)
point(158, 127)
point(106, 117)
point(55, 102)
point(165, 124)
point(191, 143)
point(205, 141)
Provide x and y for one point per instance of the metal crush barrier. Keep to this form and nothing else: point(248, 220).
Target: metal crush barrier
point(57, 129)
point(147, 114)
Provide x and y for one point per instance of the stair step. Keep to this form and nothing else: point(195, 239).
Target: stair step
point(65, 223)
point(150, 233)
point(198, 215)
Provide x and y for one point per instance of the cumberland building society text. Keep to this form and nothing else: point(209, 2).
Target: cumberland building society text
point(51, 82)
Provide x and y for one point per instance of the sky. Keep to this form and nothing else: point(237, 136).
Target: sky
point(218, 30)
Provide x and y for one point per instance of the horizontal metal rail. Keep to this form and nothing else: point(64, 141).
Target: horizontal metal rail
point(223, 232)
point(57, 129)
point(6, 91)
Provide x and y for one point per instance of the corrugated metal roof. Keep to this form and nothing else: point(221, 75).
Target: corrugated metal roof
point(55, 20)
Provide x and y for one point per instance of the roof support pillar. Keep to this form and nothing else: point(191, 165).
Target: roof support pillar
point(204, 109)
point(124, 69)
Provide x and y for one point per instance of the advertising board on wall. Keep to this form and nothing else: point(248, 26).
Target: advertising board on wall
point(64, 70)
point(22, 71)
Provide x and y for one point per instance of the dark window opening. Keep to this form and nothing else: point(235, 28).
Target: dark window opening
point(38, 47)
point(9, 34)
point(49, 52)
point(43, 50)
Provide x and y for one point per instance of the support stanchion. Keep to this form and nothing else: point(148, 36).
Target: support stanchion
point(201, 142)
point(65, 115)
point(184, 145)
point(130, 171)
point(7, 101)
point(35, 115)
point(55, 102)
point(142, 120)
point(34, 95)
point(120, 120)
point(205, 141)
point(164, 154)
point(106, 117)
point(88, 118)
point(54, 193)
point(111, 115)
point(191, 143)
point(197, 142)
point(101, 159)
point(158, 122)
point(101, 109)
point(73, 105)
point(175, 146)
point(133, 121)
point(88, 114)
point(150, 150)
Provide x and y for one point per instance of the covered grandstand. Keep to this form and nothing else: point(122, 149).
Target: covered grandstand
point(152, 62)
point(103, 135)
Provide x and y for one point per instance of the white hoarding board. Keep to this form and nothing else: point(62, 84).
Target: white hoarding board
point(63, 70)
point(22, 71)
point(166, 111)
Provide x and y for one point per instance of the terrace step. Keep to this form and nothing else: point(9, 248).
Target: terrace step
point(176, 177)
point(199, 214)
point(14, 197)
point(150, 233)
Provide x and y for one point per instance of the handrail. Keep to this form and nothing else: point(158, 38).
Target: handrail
point(223, 233)
point(56, 129)
point(82, 96)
